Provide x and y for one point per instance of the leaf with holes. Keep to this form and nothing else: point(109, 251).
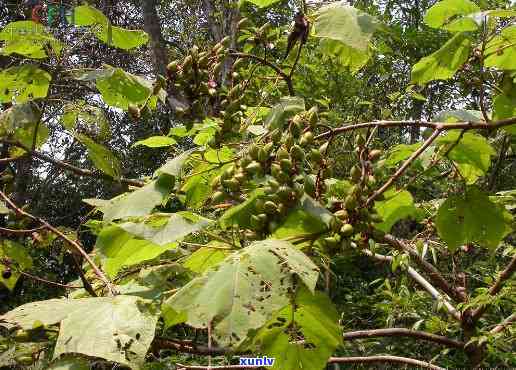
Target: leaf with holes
point(243, 291)
point(303, 337)
point(28, 39)
point(101, 157)
point(23, 83)
point(451, 15)
point(19, 260)
point(472, 218)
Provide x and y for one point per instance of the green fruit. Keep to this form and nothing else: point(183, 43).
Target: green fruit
point(375, 154)
point(312, 116)
point(282, 153)
point(256, 222)
point(297, 153)
point(289, 141)
point(370, 181)
point(309, 185)
point(307, 138)
point(270, 207)
point(360, 140)
point(240, 177)
point(355, 190)
point(284, 193)
point(327, 172)
point(172, 67)
point(187, 62)
point(375, 218)
point(217, 68)
point(276, 170)
point(24, 360)
point(218, 197)
point(21, 336)
point(262, 155)
point(245, 161)
point(350, 202)
point(215, 182)
point(194, 52)
point(231, 184)
point(276, 136)
point(323, 148)
point(332, 242)
point(342, 214)
point(286, 165)
point(335, 224)
point(253, 151)
point(355, 174)
point(259, 205)
point(273, 184)
point(347, 230)
point(254, 167)
point(315, 156)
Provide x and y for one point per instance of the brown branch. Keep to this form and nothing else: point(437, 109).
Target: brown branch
point(423, 282)
point(278, 70)
point(435, 275)
point(75, 245)
point(404, 167)
point(71, 168)
point(496, 287)
point(49, 282)
point(402, 332)
point(445, 126)
point(9, 160)
point(4, 230)
point(383, 359)
point(224, 367)
point(504, 324)
point(187, 346)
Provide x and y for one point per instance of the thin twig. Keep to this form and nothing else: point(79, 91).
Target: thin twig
point(4, 230)
point(60, 234)
point(33, 277)
point(384, 359)
point(402, 332)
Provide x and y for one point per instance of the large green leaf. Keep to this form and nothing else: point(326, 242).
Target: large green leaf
point(346, 24)
point(241, 214)
point(304, 336)
point(288, 106)
point(119, 88)
point(459, 115)
point(79, 115)
point(28, 39)
point(242, 292)
point(163, 229)
point(156, 142)
point(85, 15)
point(471, 218)
point(450, 15)
point(20, 260)
point(173, 166)
point(396, 206)
point(23, 83)
point(198, 187)
point(504, 106)
point(471, 152)
point(442, 64)
point(118, 248)
point(205, 257)
point(262, 3)
point(501, 50)
point(139, 202)
point(118, 329)
point(101, 156)
point(399, 153)
point(335, 50)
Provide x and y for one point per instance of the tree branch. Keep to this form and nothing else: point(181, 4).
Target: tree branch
point(189, 347)
point(421, 281)
point(60, 234)
point(402, 332)
point(278, 70)
point(71, 168)
point(435, 275)
point(496, 287)
point(445, 126)
point(404, 167)
point(383, 359)
point(504, 324)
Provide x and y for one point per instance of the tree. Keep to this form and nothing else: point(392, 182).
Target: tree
point(358, 190)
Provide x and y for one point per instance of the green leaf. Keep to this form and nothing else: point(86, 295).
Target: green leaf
point(156, 142)
point(263, 3)
point(101, 157)
point(118, 248)
point(346, 24)
point(442, 64)
point(19, 116)
point(23, 83)
point(20, 260)
point(241, 214)
point(501, 50)
point(140, 202)
point(299, 222)
point(173, 166)
point(168, 228)
point(472, 153)
point(85, 15)
point(288, 106)
point(449, 15)
point(198, 188)
point(28, 39)
point(119, 88)
point(459, 115)
point(303, 337)
point(471, 218)
point(335, 50)
point(206, 257)
point(400, 153)
point(504, 106)
point(118, 329)
point(395, 207)
point(242, 292)
point(79, 116)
